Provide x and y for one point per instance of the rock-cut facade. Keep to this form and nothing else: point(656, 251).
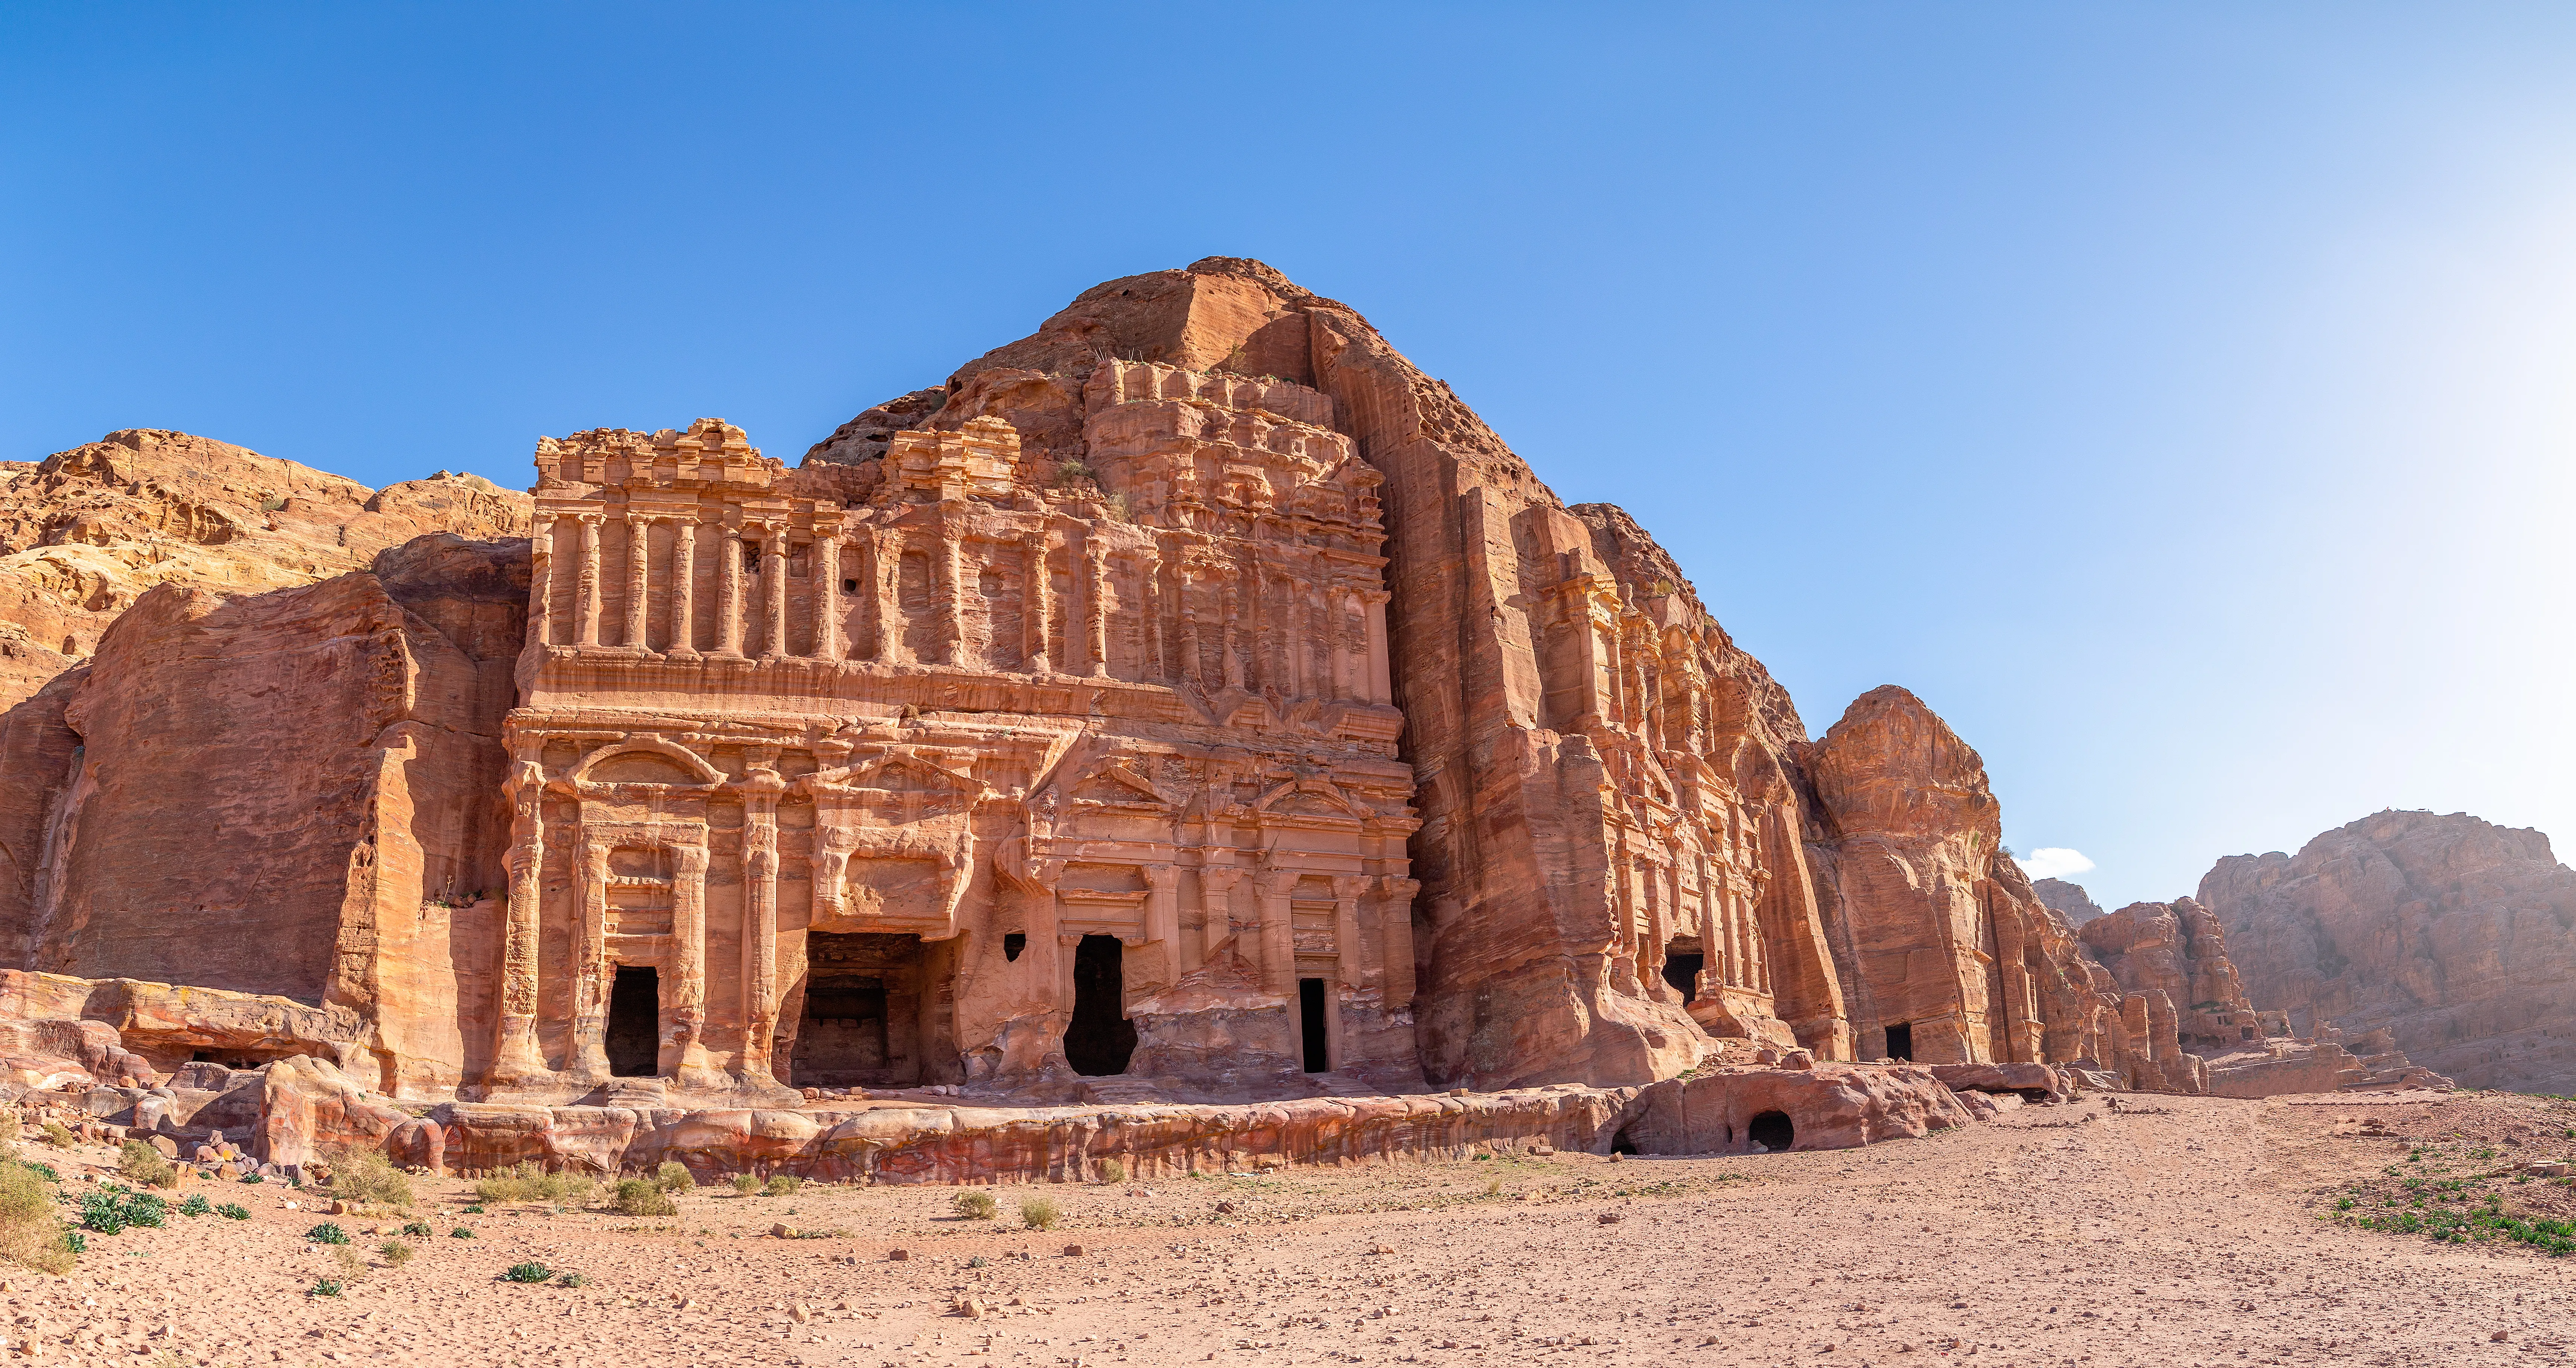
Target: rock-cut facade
point(1189, 699)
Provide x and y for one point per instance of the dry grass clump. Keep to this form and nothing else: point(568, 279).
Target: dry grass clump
point(1040, 1213)
point(644, 1197)
point(525, 1182)
point(396, 1252)
point(56, 1136)
point(30, 1234)
point(783, 1185)
point(974, 1206)
point(674, 1177)
point(368, 1176)
point(353, 1265)
point(746, 1184)
point(1112, 1171)
point(138, 1162)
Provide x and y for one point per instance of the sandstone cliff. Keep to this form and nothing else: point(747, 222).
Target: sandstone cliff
point(85, 532)
point(2070, 900)
point(2455, 935)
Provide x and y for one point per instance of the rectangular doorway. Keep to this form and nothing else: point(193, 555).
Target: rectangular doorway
point(1900, 1041)
point(1310, 1012)
point(635, 1023)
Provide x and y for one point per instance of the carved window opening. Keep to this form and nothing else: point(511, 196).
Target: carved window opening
point(1900, 1040)
point(1012, 944)
point(1310, 1015)
point(1772, 1131)
point(635, 1023)
point(750, 558)
point(1100, 1038)
point(849, 586)
point(1682, 962)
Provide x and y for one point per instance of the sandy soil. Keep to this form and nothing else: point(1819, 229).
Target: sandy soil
point(2170, 1231)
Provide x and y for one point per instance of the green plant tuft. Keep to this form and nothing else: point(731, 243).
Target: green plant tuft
point(529, 1272)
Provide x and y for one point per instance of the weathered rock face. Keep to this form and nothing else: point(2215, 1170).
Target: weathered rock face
point(1946, 955)
point(84, 533)
point(294, 793)
point(2179, 950)
point(2070, 900)
point(1609, 853)
point(2455, 935)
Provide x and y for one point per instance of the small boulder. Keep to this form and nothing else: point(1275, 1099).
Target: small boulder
point(898, 1255)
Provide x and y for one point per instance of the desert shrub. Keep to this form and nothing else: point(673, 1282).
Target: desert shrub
point(254, 1178)
point(644, 1197)
point(529, 1272)
point(55, 1135)
point(526, 1182)
point(460, 1233)
point(1071, 472)
point(30, 1234)
point(974, 1206)
point(44, 1171)
point(111, 1209)
point(353, 1265)
point(746, 1184)
point(396, 1252)
point(233, 1211)
point(326, 1287)
point(674, 1177)
point(327, 1233)
point(573, 1280)
point(196, 1205)
point(75, 1242)
point(783, 1185)
point(418, 1230)
point(1112, 1171)
point(368, 1176)
point(140, 1163)
point(1040, 1213)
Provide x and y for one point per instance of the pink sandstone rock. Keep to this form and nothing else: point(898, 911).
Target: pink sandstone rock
point(2456, 936)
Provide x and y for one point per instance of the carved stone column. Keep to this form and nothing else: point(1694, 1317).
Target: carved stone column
point(827, 596)
point(886, 567)
point(1095, 604)
point(1278, 932)
point(684, 587)
point(541, 583)
point(585, 585)
point(590, 968)
point(1350, 952)
point(773, 591)
point(951, 594)
point(1216, 912)
point(760, 911)
point(515, 1056)
point(1036, 603)
point(1380, 688)
point(684, 1044)
point(639, 548)
point(1395, 939)
point(729, 593)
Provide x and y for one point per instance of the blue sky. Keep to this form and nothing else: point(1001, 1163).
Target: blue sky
point(2177, 397)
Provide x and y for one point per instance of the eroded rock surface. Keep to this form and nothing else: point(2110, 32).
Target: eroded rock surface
point(2070, 900)
point(2454, 935)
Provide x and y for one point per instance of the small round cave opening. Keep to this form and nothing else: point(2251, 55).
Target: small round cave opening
point(1772, 1131)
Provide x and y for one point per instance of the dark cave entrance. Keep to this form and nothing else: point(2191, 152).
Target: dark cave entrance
point(635, 1023)
point(1310, 1014)
point(1623, 1143)
point(1682, 963)
point(859, 1024)
point(844, 1030)
point(1100, 1037)
point(1900, 1041)
point(1772, 1131)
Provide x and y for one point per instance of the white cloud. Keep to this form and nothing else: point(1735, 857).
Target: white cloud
point(2054, 862)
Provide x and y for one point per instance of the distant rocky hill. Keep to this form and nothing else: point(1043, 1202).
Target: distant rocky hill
point(2070, 900)
point(2456, 935)
point(84, 532)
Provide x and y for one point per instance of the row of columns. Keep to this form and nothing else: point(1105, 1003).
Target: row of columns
point(1357, 664)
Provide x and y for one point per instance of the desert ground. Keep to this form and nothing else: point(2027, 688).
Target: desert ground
point(2109, 1231)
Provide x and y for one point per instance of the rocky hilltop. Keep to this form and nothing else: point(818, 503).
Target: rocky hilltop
point(2070, 900)
point(1189, 701)
point(2455, 936)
